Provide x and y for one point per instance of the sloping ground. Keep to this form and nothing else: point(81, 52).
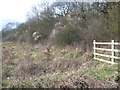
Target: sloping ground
point(29, 66)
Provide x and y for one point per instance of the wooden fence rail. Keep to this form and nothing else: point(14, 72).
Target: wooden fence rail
point(112, 50)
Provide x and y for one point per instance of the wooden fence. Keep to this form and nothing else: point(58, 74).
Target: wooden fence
point(112, 51)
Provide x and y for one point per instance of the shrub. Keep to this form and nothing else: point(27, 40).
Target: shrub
point(67, 36)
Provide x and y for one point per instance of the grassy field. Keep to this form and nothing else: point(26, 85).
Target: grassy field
point(29, 66)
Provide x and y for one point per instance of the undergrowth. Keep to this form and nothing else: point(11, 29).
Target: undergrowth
point(27, 66)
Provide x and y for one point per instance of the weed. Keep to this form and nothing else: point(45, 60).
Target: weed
point(27, 66)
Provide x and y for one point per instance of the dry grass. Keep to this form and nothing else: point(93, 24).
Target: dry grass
point(27, 66)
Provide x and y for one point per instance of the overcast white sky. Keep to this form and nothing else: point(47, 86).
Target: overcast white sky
point(15, 10)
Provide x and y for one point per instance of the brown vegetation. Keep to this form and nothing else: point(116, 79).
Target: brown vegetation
point(60, 70)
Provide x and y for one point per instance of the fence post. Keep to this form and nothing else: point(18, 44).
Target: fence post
point(94, 49)
point(112, 47)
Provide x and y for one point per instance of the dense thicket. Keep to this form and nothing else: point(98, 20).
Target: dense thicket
point(69, 23)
